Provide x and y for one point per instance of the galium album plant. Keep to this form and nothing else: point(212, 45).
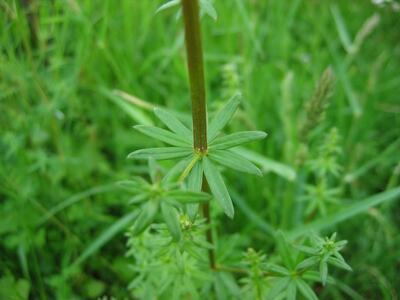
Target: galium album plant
point(173, 241)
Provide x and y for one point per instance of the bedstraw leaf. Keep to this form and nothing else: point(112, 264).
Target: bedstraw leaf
point(291, 291)
point(208, 9)
point(306, 290)
point(323, 270)
point(236, 139)
point(218, 187)
point(194, 183)
point(163, 135)
point(171, 218)
point(308, 262)
point(167, 5)
point(195, 178)
point(234, 161)
point(278, 287)
point(223, 117)
point(188, 196)
point(173, 124)
point(145, 217)
point(340, 263)
point(161, 153)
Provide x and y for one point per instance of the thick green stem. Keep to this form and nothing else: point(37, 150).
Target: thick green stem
point(194, 53)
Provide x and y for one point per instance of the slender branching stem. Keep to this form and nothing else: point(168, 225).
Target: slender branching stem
point(194, 51)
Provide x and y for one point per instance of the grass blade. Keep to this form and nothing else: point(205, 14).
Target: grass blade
point(76, 198)
point(346, 213)
point(268, 165)
point(218, 187)
point(342, 29)
point(135, 113)
point(105, 236)
point(251, 214)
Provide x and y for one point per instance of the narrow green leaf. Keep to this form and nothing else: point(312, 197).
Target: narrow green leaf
point(236, 139)
point(161, 153)
point(339, 263)
point(223, 117)
point(306, 249)
point(306, 290)
point(189, 167)
point(342, 29)
point(278, 286)
point(173, 173)
point(209, 9)
point(285, 252)
point(167, 5)
point(188, 196)
point(346, 212)
point(234, 161)
point(195, 178)
point(314, 276)
point(153, 169)
point(194, 183)
point(267, 164)
point(105, 236)
point(291, 291)
point(138, 198)
point(252, 216)
point(278, 269)
point(136, 113)
point(136, 184)
point(75, 199)
point(171, 218)
point(218, 187)
point(163, 135)
point(145, 217)
point(323, 270)
point(173, 124)
point(307, 263)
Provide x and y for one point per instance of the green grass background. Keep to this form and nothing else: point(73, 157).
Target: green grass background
point(64, 135)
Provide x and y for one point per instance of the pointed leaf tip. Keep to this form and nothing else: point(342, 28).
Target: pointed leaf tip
point(236, 139)
point(223, 117)
point(218, 187)
point(163, 135)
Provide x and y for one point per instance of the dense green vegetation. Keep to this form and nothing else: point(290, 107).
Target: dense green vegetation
point(77, 75)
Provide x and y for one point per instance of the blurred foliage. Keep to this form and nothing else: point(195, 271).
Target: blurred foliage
point(63, 139)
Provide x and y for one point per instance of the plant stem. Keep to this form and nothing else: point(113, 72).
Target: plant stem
point(194, 53)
